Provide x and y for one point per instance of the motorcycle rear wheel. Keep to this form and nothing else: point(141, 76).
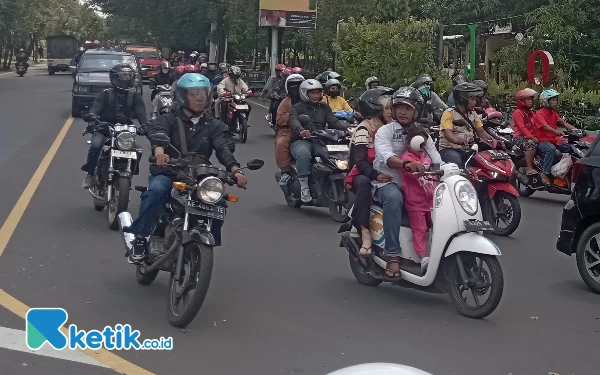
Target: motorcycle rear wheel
point(513, 212)
point(360, 274)
point(196, 276)
point(119, 201)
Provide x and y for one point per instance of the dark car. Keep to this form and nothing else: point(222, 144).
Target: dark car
point(91, 76)
point(580, 228)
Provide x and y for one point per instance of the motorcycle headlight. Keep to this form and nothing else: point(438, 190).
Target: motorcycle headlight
point(467, 197)
point(237, 97)
point(342, 164)
point(210, 190)
point(125, 141)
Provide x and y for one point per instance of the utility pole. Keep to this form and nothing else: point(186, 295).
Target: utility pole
point(212, 55)
point(274, 48)
point(441, 45)
point(473, 43)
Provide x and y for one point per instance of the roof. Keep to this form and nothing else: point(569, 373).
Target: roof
point(95, 52)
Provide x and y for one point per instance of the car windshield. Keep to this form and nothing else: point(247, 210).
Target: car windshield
point(145, 54)
point(100, 63)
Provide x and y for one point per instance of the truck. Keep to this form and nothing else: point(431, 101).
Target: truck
point(60, 51)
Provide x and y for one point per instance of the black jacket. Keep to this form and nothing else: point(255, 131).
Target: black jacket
point(164, 79)
point(21, 57)
point(119, 111)
point(320, 115)
point(208, 135)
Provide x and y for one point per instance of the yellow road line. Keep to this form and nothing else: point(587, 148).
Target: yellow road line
point(8, 228)
point(102, 355)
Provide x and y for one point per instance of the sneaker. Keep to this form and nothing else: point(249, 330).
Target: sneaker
point(305, 195)
point(88, 181)
point(139, 250)
point(284, 179)
point(424, 264)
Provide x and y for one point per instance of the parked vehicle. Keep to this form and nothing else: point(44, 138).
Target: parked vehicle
point(92, 77)
point(118, 163)
point(182, 242)
point(462, 262)
point(580, 227)
point(238, 111)
point(60, 50)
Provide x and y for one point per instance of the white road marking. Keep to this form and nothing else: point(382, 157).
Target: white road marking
point(14, 339)
point(258, 104)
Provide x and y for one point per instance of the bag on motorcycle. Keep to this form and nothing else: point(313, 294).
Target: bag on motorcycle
point(561, 168)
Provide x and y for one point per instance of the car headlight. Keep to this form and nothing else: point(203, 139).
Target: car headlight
point(125, 141)
point(82, 88)
point(439, 195)
point(210, 190)
point(466, 196)
point(342, 164)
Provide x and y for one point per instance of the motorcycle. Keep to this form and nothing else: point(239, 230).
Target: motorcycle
point(462, 262)
point(21, 68)
point(491, 176)
point(331, 148)
point(527, 185)
point(163, 101)
point(348, 116)
point(182, 241)
point(117, 164)
point(237, 114)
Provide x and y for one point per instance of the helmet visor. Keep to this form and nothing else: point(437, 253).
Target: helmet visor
point(197, 99)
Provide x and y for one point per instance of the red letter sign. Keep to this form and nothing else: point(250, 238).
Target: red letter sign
point(547, 66)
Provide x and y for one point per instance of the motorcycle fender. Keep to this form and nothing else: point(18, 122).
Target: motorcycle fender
point(122, 174)
point(493, 188)
point(337, 176)
point(199, 234)
point(472, 243)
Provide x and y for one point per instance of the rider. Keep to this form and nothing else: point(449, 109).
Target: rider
point(223, 68)
point(203, 69)
point(202, 58)
point(407, 109)
point(114, 105)
point(372, 82)
point(546, 121)
point(460, 123)
point(189, 68)
point(180, 58)
point(231, 85)
point(21, 57)
point(78, 56)
point(164, 77)
point(433, 104)
point(311, 94)
point(203, 134)
point(523, 127)
point(193, 58)
point(283, 157)
point(297, 70)
point(455, 81)
point(484, 103)
point(272, 91)
point(333, 89)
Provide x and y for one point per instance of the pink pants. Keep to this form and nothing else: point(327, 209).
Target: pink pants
point(418, 224)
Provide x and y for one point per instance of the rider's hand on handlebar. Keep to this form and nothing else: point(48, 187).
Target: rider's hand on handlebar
point(415, 167)
point(560, 133)
point(162, 159)
point(241, 180)
point(305, 133)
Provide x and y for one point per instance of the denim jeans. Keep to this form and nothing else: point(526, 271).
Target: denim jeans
point(94, 153)
point(456, 156)
point(152, 205)
point(390, 196)
point(548, 152)
point(302, 152)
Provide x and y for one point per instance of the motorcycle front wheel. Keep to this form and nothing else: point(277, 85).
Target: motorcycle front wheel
point(338, 211)
point(187, 295)
point(243, 128)
point(507, 216)
point(118, 202)
point(483, 292)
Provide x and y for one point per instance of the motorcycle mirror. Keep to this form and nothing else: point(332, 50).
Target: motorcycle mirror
point(416, 144)
point(90, 117)
point(160, 139)
point(304, 119)
point(255, 164)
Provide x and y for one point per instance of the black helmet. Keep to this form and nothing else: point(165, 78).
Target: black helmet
point(481, 84)
point(463, 91)
point(122, 76)
point(458, 79)
point(369, 104)
point(410, 96)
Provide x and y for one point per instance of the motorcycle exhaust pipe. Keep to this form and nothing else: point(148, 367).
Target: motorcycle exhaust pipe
point(522, 178)
point(125, 220)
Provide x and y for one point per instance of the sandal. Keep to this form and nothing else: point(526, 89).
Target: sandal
point(545, 179)
point(367, 254)
point(393, 271)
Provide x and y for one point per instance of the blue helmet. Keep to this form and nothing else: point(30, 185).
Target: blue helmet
point(193, 83)
point(546, 95)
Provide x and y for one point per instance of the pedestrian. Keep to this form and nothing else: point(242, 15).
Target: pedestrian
point(41, 52)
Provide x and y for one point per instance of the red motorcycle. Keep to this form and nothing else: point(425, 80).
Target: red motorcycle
point(491, 170)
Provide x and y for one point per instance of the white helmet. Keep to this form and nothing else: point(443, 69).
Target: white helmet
point(379, 369)
point(308, 85)
point(293, 78)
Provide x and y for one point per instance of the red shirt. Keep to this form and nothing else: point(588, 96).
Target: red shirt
point(523, 123)
point(546, 116)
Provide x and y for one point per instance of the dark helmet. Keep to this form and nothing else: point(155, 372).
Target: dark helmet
point(21, 50)
point(223, 67)
point(410, 96)
point(458, 79)
point(481, 84)
point(463, 91)
point(424, 84)
point(369, 104)
point(122, 76)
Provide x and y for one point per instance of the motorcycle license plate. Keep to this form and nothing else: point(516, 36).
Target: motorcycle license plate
point(208, 210)
point(124, 154)
point(499, 155)
point(243, 106)
point(478, 225)
point(337, 148)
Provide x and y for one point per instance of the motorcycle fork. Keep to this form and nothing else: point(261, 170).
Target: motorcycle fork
point(179, 264)
point(461, 270)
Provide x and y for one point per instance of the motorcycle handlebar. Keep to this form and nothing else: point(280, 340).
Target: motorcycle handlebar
point(231, 179)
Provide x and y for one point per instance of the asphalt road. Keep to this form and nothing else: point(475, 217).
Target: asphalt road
point(282, 299)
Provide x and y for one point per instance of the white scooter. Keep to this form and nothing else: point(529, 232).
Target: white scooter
point(462, 262)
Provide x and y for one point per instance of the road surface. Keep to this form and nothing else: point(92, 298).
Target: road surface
point(282, 299)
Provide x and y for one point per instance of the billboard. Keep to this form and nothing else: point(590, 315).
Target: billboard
point(299, 14)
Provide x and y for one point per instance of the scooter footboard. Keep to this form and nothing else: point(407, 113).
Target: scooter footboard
point(472, 243)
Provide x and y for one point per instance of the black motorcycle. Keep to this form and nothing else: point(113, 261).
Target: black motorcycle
point(331, 148)
point(182, 241)
point(118, 163)
point(21, 68)
point(236, 116)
